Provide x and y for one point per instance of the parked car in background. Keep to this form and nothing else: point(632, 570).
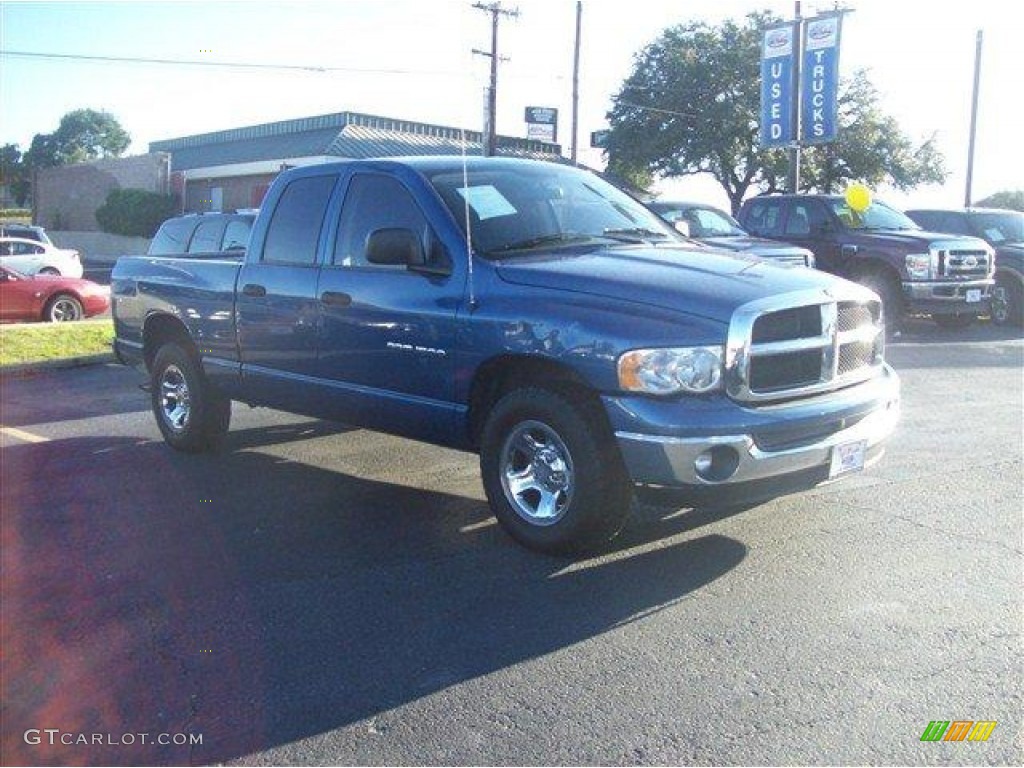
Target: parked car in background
point(48, 297)
point(199, 233)
point(33, 257)
point(26, 231)
point(1004, 231)
point(948, 277)
point(711, 226)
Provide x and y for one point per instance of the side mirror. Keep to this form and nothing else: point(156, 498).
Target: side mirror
point(682, 227)
point(395, 247)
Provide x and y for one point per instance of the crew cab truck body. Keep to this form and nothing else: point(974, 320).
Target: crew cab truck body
point(947, 277)
point(525, 311)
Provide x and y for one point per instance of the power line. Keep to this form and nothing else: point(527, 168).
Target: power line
point(225, 64)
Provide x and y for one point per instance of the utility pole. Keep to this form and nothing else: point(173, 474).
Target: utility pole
point(495, 9)
point(974, 121)
point(793, 176)
point(576, 82)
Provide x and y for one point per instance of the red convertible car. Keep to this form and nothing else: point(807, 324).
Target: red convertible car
point(51, 298)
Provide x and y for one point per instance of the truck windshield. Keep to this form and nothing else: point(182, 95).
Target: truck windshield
point(877, 216)
point(999, 227)
point(515, 208)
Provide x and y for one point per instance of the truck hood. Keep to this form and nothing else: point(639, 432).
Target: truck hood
point(754, 245)
point(916, 238)
point(703, 283)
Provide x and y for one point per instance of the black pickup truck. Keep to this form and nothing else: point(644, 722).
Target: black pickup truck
point(526, 311)
point(948, 277)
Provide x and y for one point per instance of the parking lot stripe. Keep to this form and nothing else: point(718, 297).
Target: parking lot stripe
point(24, 436)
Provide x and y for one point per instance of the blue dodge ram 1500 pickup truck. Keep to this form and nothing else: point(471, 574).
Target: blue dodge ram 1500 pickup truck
point(526, 311)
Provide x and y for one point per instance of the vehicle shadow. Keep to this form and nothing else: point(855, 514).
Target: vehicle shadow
point(253, 601)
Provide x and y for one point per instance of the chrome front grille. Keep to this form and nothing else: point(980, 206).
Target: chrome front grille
point(803, 343)
point(963, 259)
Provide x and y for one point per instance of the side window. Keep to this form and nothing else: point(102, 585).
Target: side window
point(375, 202)
point(172, 237)
point(294, 230)
point(764, 218)
point(206, 238)
point(798, 222)
point(236, 235)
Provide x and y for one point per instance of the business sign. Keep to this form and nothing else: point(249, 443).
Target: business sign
point(543, 115)
point(819, 93)
point(777, 52)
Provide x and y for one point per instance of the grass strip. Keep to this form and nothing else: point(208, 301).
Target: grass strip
point(54, 341)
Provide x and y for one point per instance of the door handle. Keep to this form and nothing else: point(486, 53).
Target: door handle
point(251, 289)
point(336, 298)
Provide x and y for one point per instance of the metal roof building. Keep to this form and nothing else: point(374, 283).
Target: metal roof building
point(233, 168)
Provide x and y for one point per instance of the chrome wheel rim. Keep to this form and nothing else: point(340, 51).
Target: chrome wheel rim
point(537, 473)
point(63, 311)
point(175, 400)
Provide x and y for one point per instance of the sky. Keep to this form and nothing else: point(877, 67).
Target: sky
point(412, 59)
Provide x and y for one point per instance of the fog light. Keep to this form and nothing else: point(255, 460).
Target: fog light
point(717, 464)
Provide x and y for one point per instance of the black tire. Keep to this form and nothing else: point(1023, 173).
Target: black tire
point(63, 308)
point(1008, 301)
point(49, 271)
point(888, 289)
point(575, 493)
point(192, 416)
point(954, 322)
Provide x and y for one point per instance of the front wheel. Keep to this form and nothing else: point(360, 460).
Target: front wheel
point(1007, 301)
point(191, 414)
point(551, 471)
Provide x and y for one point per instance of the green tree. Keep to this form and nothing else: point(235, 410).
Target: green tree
point(13, 173)
point(136, 212)
point(84, 134)
point(692, 105)
point(1013, 200)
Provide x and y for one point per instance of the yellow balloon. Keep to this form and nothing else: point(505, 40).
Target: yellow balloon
point(858, 197)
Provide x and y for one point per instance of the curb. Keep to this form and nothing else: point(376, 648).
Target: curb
point(51, 365)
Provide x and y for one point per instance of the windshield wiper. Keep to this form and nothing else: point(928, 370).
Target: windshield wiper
point(553, 238)
point(634, 234)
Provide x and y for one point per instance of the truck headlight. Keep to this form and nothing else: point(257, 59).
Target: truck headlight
point(921, 266)
point(671, 370)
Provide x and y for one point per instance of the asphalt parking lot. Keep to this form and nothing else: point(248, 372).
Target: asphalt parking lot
point(313, 594)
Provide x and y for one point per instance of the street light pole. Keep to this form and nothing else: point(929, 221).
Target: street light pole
point(974, 121)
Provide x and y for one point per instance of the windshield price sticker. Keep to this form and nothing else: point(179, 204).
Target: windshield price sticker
point(848, 457)
point(973, 295)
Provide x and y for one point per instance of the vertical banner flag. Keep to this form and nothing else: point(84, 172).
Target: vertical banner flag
point(777, 86)
point(820, 80)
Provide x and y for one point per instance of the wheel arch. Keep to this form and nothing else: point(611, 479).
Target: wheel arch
point(500, 375)
point(159, 329)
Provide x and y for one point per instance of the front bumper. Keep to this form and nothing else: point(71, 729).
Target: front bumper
point(949, 297)
point(791, 445)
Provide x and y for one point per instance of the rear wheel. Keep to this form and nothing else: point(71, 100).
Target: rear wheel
point(63, 308)
point(552, 472)
point(49, 271)
point(191, 414)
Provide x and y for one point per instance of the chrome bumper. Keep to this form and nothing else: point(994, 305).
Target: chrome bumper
point(948, 291)
point(671, 461)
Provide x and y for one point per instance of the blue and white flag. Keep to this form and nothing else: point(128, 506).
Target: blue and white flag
point(819, 75)
point(777, 86)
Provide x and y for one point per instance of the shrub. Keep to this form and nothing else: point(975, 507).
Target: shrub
point(135, 212)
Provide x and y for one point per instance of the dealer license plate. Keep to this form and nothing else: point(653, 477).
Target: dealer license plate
point(973, 295)
point(848, 457)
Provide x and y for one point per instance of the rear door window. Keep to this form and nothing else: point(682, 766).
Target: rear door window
point(294, 230)
point(764, 217)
